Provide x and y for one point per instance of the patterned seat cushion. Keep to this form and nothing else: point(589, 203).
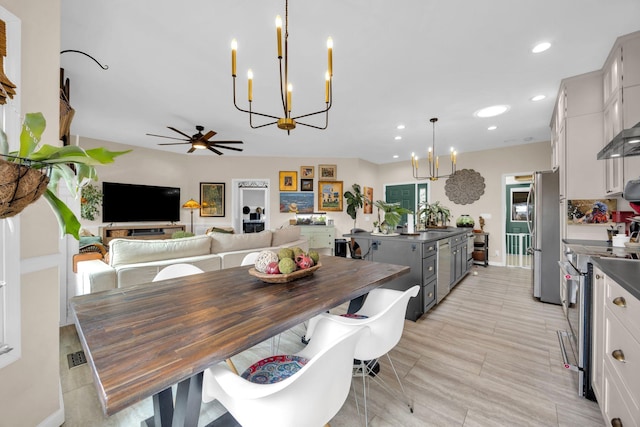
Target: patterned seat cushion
point(354, 316)
point(274, 369)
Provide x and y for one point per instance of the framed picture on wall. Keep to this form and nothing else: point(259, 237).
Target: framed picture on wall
point(212, 199)
point(368, 203)
point(296, 202)
point(327, 172)
point(288, 181)
point(307, 171)
point(306, 184)
point(329, 195)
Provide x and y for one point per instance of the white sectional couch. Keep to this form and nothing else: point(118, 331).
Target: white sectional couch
point(132, 262)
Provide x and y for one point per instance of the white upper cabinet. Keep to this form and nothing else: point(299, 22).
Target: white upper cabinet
point(580, 171)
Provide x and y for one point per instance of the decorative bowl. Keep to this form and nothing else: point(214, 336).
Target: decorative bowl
point(284, 278)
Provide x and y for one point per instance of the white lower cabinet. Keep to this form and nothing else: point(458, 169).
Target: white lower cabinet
point(319, 236)
point(616, 352)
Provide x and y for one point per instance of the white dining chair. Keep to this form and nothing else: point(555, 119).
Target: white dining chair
point(383, 312)
point(250, 258)
point(305, 389)
point(177, 270)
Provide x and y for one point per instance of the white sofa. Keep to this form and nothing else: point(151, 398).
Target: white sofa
point(132, 262)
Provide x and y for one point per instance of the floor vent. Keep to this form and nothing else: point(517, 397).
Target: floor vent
point(76, 359)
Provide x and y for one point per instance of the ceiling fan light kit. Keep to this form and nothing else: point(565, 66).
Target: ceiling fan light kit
point(287, 122)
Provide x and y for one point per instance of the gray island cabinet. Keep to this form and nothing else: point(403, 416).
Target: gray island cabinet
point(425, 253)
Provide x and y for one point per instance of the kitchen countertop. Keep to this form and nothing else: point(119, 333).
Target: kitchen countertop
point(422, 236)
point(622, 264)
point(624, 271)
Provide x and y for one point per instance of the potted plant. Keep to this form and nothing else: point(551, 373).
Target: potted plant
point(54, 164)
point(434, 214)
point(355, 200)
point(392, 214)
point(90, 199)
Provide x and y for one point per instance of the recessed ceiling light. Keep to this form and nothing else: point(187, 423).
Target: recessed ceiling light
point(400, 127)
point(615, 155)
point(538, 98)
point(494, 110)
point(395, 156)
point(633, 141)
point(541, 47)
point(492, 127)
point(398, 138)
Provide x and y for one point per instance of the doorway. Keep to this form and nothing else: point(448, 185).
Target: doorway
point(406, 195)
point(250, 205)
point(516, 231)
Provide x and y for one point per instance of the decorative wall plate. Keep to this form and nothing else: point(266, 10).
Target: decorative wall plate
point(464, 187)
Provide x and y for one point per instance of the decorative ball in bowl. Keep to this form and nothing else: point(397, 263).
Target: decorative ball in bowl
point(286, 265)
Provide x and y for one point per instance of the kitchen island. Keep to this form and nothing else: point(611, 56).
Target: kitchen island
point(439, 260)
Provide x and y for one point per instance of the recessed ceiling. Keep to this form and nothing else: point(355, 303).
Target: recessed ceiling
point(170, 65)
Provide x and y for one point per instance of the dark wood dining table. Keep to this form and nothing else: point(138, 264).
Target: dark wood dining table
point(141, 340)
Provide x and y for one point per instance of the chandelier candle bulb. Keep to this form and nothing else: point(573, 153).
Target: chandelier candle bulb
point(330, 55)
point(289, 90)
point(250, 82)
point(279, 32)
point(234, 49)
point(326, 87)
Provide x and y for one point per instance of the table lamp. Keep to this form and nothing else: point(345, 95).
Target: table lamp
point(191, 204)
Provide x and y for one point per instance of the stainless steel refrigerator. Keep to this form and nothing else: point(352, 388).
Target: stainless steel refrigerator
point(543, 219)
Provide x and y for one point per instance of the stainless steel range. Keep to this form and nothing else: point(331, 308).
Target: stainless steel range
point(576, 295)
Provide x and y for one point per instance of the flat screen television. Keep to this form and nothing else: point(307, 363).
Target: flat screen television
point(135, 202)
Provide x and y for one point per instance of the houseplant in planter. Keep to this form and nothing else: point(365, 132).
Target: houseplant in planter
point(355, 200)
point(50, 164)
point(434, 215)
point(90, 200)
point(392, 214)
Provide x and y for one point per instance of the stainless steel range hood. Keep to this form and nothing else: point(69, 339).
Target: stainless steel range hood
point(624, 144)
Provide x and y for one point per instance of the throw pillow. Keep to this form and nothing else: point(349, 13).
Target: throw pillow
point(285, 235)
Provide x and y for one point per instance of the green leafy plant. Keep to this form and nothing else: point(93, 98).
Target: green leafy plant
point(90, 200)
point(355, 200)
point(392, 213)
point(60, 160)
point(432, 213)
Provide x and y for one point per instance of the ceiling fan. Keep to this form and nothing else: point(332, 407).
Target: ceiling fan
point(200, 141)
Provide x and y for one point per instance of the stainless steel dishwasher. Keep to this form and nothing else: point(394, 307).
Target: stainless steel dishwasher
point(444, 269)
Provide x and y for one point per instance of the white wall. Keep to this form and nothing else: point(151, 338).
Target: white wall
point(29, 388)
point(153, 167)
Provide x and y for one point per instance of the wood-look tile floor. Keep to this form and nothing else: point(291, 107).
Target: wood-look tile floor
point(487, 355)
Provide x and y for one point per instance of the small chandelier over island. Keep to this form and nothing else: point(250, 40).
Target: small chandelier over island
point(287, 122)
point(433, 165)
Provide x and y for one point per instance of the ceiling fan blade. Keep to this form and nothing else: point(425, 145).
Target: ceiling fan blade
point(175, 143)
point(191, 150)
point(180, 132)
point(168, 137)
point(227, 148)
point(219, 153)
point(228, 142)
point(207, 136)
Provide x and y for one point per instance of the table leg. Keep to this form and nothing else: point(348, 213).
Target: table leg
point(162, 410)
point(186, 411)
point(188, 401)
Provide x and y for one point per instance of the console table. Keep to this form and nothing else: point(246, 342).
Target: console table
point(143, 232)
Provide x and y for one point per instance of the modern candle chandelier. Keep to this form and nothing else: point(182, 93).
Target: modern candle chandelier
point(433, 164)
point(287, 121)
